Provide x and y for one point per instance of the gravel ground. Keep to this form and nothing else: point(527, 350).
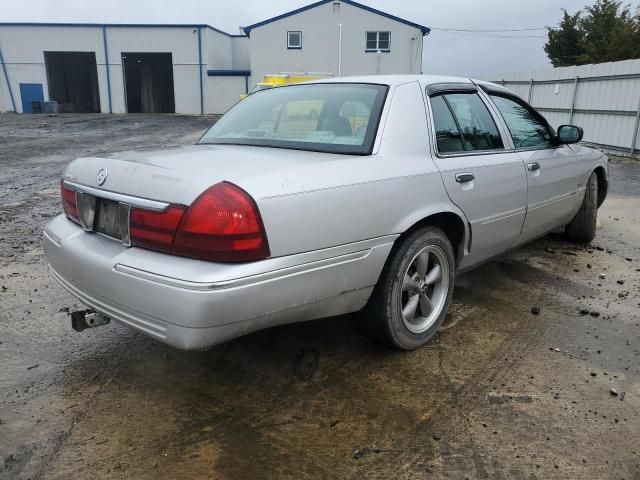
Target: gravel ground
point(499, 393)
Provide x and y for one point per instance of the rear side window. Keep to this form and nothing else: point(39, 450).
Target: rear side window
point(448, 136)
point(473, 127)
point(527, 129)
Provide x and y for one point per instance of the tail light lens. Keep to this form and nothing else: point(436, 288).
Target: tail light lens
point(223, 224)
point(154, 230)
point(69, 202)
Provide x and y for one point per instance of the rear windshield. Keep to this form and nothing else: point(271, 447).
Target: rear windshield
point(330, 117)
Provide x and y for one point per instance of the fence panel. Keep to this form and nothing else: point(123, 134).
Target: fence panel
point(603, 99)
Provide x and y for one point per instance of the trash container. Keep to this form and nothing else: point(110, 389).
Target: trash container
point(51, 107)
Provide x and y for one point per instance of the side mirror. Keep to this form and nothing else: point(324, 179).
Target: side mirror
point(569, 134)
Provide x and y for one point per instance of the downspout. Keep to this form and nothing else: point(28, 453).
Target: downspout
point(413, 59)
point(422, 52)
point(246, 84)
point(6, 77)
point(106, 65)
point(200, 70)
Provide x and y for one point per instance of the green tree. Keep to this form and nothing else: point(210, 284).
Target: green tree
point(604, 32)
point(565, 45)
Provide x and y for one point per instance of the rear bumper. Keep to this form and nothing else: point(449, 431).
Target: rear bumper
point(191, 304)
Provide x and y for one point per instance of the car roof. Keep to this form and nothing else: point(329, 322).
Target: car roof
point(399, 79)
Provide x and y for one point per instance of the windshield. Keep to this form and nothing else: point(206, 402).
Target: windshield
point(331, 117)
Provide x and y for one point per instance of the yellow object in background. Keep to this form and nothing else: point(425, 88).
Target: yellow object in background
point(276, 80)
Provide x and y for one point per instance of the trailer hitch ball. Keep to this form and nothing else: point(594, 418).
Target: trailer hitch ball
point(83, 319)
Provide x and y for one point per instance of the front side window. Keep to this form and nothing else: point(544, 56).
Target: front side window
point(463, 123)
point(527, 129)
point(294, 40)
point(378, 41)
point(332, 118)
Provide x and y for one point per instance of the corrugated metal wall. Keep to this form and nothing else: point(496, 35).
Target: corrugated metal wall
point(240, 48)
point(604, 99)
point(23, 47)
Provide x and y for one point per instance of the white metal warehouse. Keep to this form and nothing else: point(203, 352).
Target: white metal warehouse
point(193, 69)
point(151, 68)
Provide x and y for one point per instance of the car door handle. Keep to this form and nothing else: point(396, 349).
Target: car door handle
point(464, 177)
point(532, 167)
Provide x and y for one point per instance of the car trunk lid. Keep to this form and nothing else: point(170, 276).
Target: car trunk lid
point(178, 175)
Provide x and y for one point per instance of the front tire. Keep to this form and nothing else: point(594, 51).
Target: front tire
point(582, 229)
point(412, 296)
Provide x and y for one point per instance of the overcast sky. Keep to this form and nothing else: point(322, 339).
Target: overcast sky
point(444, 52)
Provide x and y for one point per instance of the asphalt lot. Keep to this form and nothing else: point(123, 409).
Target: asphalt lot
point(499, 393)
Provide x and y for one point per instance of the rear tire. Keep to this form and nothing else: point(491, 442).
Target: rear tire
point(582, 229)
point(411, 298)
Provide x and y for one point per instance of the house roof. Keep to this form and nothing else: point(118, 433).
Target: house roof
point(422, 28)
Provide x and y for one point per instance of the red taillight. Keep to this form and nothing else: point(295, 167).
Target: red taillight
point(69, 202)
point(154, 230)
point(223, 224)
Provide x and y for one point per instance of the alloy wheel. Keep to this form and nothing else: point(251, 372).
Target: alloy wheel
point(425, 285)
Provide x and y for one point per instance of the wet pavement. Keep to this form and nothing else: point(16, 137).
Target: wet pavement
point(499, 393)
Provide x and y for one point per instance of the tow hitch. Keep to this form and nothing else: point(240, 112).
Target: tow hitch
point(83, 319)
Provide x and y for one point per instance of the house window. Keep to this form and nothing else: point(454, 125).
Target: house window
point(378, 41)
point(294, 40)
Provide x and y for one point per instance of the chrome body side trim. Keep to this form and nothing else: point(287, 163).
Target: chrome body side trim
point(137, 202)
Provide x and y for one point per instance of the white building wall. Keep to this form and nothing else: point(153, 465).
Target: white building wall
point(223, 93)
point(319, 53)
point(5, 98)
point(23, 51)
point(265, 52)
point(241, 59)
point(223, 52)
point(182, 43)
point(218, 52)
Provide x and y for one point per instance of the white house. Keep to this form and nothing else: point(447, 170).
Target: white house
point(120, 68)
point(335, 37)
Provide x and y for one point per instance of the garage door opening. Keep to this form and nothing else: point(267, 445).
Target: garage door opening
point(73, 81)
point(148, 79)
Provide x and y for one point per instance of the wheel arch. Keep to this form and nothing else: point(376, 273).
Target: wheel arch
point(452, 223)
point(603, 184)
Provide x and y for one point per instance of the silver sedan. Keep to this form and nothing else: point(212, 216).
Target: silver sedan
point(364, 194)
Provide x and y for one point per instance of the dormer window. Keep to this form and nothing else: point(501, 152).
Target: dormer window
point(378, 41)
point(294, 40)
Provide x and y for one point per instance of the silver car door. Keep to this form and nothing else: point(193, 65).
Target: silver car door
point(551, 170)
point(483, 178)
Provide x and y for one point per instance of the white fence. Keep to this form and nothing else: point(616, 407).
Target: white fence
point(603, 99)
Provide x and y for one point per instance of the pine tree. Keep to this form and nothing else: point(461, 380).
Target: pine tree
point(565, 45)
point(604, 32)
